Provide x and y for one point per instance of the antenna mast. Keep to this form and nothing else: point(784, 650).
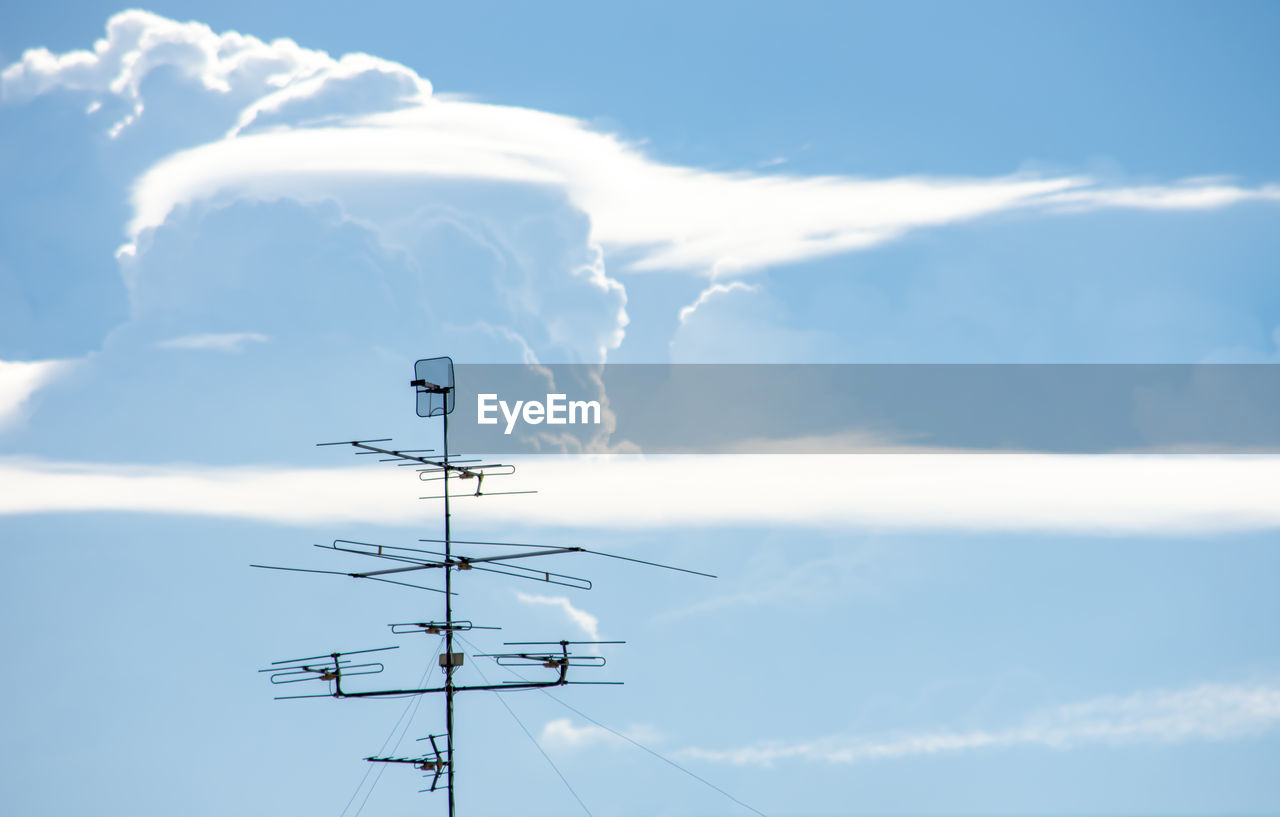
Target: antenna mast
point(436, 394)
point(446, 394)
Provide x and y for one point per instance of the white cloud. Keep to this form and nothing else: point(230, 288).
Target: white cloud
point(711, 292)
point(1208, 712)
point(589, 624)
point(215, 341)
point(356, 83)
point(672, 217)
point(744, 323)
point(562, 734)
point(1100, 494)
point(266, 494)
point(534, 284)
point(139, 42)
point(1190, 194)
point(312, 127)
point(19, 380)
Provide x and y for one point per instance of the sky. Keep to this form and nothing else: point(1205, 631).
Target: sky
point(227, 232)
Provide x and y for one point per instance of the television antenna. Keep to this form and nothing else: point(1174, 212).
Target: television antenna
point(436, 395)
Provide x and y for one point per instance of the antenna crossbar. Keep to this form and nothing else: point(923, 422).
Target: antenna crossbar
point(413, 455)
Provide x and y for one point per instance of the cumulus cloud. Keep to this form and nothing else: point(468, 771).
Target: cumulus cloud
point(1005, 492)
point(510, 277)
point(535, 274)
point(138, 43)
point(1208, 712)
point(348, 170)
point(19, 380)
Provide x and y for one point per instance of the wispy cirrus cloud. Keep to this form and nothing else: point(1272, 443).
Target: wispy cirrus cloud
point(214, 341)
point(776, 580)
point(589, 624)
point(711, 292)
point(1202, 193)
point(1207, 712)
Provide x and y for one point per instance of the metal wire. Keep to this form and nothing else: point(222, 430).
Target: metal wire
point(530, 736)
point(382, 766)
point(635, 743)
point(663, 758)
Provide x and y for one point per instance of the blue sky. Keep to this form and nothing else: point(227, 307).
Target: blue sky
point(218, 246)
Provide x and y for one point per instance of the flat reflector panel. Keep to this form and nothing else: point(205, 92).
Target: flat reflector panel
point(438, 373)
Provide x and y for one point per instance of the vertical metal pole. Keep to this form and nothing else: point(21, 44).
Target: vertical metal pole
point(448, 613)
